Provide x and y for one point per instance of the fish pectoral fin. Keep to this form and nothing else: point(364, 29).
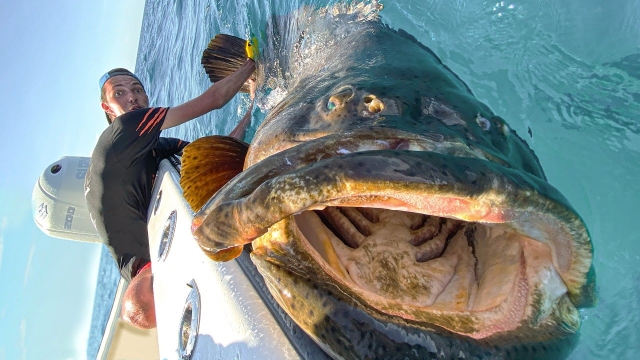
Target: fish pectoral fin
point(225, 254)
point(208, 164)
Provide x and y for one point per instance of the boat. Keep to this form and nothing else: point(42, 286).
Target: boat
point(204, 309)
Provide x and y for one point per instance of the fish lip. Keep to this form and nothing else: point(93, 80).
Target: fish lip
point(307, 150)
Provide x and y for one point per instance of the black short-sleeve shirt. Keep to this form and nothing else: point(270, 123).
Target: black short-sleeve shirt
point(119, 182)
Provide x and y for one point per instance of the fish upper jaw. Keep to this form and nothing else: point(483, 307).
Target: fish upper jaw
point(262, 166)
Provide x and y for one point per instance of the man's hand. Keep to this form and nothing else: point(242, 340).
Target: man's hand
point(252, 88)
point(240, 130)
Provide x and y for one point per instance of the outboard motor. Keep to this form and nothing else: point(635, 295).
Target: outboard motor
point(58, 203)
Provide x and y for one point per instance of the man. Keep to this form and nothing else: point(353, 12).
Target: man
point(124, 162)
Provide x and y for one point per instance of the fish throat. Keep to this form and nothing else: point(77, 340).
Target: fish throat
point(411, 260)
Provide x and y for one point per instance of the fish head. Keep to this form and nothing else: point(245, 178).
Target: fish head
point(358, 91)
point(380, 195)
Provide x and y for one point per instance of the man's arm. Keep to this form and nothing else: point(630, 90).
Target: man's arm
point(213, 98)
point(241, 129)
point(169, 146)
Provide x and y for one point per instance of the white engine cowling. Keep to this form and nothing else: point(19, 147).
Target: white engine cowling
point(58, 203)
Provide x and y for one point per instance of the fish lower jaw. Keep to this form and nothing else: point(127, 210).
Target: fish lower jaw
point(471, 278)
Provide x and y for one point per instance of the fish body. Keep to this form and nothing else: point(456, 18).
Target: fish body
point(393, 214)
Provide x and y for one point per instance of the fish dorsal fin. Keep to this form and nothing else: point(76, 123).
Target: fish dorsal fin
point(208, 164)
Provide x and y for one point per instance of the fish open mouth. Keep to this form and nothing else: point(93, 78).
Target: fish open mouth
point(416, 227)
point(412, 258)
point(415, 265)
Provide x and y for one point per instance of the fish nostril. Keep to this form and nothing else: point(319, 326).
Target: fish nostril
point(373, 104)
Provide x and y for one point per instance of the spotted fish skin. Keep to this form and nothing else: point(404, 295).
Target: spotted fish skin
point(372, 119)
point(417, 92)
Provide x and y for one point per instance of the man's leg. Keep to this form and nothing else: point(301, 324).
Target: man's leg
point(241, 129)
point(138, 303)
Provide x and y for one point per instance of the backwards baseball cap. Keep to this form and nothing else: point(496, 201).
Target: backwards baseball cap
point(116, 72)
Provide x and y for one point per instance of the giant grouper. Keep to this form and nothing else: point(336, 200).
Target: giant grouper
point(391, 214)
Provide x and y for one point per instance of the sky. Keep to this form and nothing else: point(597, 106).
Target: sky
point(52, 55)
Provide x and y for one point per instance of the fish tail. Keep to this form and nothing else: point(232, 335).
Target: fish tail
point(224, 55)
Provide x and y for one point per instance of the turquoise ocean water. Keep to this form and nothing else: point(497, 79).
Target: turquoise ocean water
point(565, 74)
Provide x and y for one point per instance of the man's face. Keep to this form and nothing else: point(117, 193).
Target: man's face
point(123, 94)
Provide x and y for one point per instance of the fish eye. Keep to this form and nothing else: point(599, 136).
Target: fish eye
point(483, 123)
point(501, 125)
point(340, 97)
